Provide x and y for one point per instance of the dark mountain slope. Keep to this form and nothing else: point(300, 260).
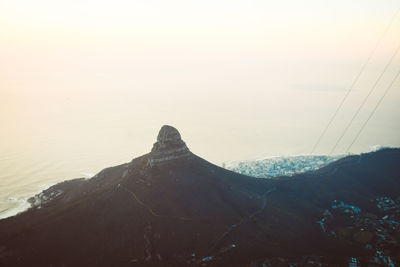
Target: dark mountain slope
point(355, 179)
point(172, 208)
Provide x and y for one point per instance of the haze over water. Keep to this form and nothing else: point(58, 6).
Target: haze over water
point(84, 86)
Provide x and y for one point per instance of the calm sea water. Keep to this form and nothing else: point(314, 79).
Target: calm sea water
point(26, 172)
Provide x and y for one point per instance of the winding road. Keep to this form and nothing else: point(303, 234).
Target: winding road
point(150, 210)
point(243, 220)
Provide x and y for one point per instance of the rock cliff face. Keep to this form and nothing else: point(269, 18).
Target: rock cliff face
point(169, 146)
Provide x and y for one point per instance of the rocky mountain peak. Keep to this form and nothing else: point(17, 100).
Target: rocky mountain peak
point(169, 146)
point(168, 134)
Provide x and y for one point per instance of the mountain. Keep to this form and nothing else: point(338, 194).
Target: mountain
point(173, 208)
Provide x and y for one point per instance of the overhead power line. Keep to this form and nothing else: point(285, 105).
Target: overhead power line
point(355, 81)
point(373, 111)
point(365, 100)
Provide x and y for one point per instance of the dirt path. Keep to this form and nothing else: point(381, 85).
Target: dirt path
point(150, 210)
point(243, 220)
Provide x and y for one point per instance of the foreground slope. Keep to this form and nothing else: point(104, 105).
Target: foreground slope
point(172, 208)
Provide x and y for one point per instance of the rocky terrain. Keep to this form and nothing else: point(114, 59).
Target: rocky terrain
point(169, 146)
point(172, 208)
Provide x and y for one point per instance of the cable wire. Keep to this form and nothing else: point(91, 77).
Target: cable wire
point(373, 111)
point(355, 81)
point(365, 100)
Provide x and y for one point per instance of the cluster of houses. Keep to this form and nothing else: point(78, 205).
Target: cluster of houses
point(345, 207)
point(377, 231)
point(387, 203)
point(279, 166)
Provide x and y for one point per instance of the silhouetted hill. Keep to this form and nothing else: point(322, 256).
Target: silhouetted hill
point(172, 208)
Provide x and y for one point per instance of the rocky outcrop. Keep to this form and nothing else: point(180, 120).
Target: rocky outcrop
point(169, 146)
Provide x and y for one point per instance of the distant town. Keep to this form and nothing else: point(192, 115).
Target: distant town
point(279, 166)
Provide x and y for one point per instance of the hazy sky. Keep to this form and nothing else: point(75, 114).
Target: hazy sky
point(239, 79)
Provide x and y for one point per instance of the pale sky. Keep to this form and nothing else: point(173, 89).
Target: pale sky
point(239, 79)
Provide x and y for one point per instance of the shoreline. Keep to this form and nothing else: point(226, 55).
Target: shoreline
point(21, 202)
